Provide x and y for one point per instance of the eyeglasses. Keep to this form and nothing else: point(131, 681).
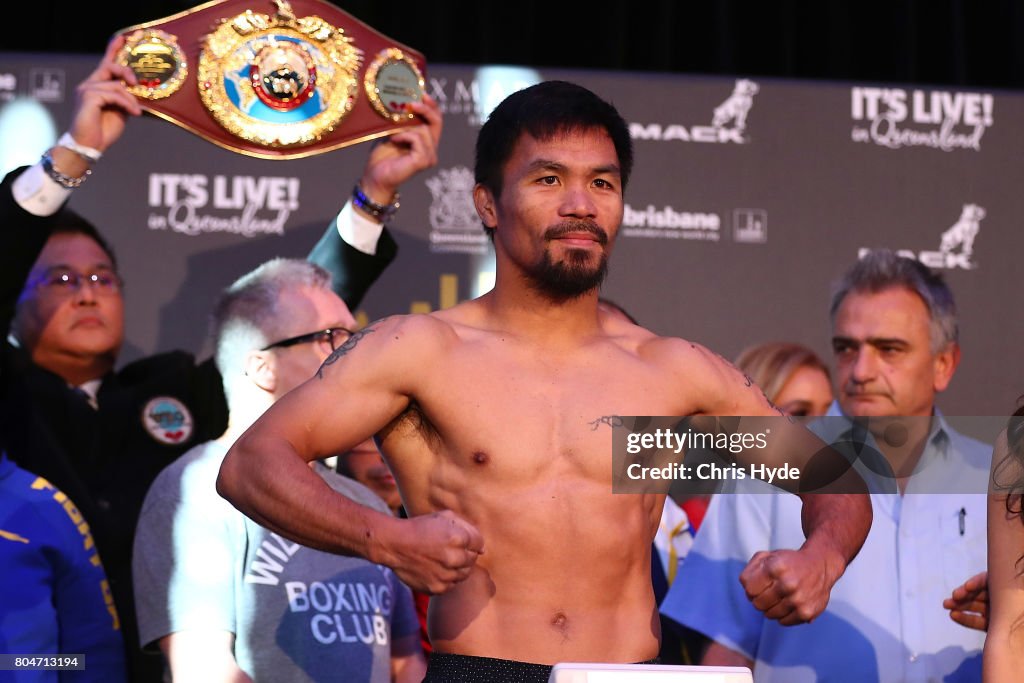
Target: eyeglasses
point(332, 336)
point(66, 281)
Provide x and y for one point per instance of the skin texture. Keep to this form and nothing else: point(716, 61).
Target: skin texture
point(486, 414)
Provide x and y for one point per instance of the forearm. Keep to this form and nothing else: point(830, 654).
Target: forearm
point(352, 270)
point(835, 526)
point(269, 482)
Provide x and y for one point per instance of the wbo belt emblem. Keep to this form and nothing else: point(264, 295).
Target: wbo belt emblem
point(167, 420)
point(278, 80)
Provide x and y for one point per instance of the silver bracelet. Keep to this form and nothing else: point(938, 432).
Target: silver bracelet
point(64, 181)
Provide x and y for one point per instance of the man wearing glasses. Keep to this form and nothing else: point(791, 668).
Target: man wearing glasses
point(224, 598)
point(102, 436)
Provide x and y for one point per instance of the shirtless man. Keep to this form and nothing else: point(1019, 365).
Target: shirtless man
point(490, 415)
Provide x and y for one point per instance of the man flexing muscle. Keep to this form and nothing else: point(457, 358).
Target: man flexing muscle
point(486, 413)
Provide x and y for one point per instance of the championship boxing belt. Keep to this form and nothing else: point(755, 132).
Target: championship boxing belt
point(276, 80)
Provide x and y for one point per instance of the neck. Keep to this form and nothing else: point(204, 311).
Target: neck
point(243, 411)
point(902, 454)
point(522, 308)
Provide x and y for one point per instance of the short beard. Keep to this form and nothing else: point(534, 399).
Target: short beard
point(571, 278)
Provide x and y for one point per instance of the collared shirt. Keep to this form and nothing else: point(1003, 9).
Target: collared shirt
point(884, 621)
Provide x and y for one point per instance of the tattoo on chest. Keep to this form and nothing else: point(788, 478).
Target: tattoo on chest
point(349, 344)
point(610, 420)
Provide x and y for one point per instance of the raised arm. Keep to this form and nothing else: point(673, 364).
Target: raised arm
point(793, 586)
point(357, 247)
point(360, 389)
point(30, 197)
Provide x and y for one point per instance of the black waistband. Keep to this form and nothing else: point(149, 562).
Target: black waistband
point(450, 668)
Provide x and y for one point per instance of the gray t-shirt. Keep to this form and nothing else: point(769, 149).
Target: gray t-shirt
point(298, 614)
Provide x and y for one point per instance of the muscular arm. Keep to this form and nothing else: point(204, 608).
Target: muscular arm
point(793, 587)
point(203, 656)
point(1004, 645)
point(360, 389)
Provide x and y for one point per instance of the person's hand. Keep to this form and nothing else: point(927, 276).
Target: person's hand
point(789, 586)
point(404, 154)
point(968, 606)
point(103, 102)
point(432, 553)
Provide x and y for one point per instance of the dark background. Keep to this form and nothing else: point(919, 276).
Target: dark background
point(947, 42)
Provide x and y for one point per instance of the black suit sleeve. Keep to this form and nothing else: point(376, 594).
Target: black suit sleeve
point(22, 236)
point(352, 271)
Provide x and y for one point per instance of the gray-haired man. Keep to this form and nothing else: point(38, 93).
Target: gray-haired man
point(894, 336)
point(226, 599)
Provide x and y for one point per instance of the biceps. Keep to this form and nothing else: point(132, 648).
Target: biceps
point(323, 417)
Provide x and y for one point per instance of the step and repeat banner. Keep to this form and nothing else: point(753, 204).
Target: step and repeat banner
point(749, 199)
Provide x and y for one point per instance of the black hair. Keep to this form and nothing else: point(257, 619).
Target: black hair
point(545, 110)
point(68, 222)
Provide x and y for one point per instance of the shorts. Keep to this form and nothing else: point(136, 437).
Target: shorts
point(449, 668)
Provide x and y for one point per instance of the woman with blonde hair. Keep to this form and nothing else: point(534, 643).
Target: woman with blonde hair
point(791, 375)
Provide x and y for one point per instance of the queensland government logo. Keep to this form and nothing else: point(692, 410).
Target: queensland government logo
point(728, 121)
point(455, 226)
point(193, 204)
point(895, 118)
point(956, 244)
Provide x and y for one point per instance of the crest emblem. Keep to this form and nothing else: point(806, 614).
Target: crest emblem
point(167, 420)
point(278, 80)
point(452, 207)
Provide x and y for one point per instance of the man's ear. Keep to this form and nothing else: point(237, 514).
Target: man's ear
point(484, 201)
point(261, 369)
point(945, 364)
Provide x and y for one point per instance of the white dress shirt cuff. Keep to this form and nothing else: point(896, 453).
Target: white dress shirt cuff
point(38, 193)
point(359, 231)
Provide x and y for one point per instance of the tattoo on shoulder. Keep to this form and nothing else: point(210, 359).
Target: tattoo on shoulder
point(349, 344)
point(749, 382)
point(610, 420)
point(780, 411)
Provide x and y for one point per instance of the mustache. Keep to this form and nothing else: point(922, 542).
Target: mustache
point(568, 227)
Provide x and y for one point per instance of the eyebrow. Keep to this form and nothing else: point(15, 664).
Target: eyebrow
point(872, 341)
point(552, 165)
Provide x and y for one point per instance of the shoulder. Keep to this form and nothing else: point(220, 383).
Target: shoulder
point(977, 454)
point(690, 360)
point(33, 505)
point(170, 362)
point(399, 343)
